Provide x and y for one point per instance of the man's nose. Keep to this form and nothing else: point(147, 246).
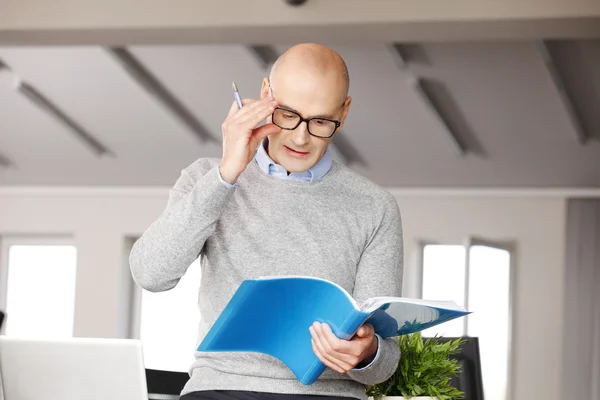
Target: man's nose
point(301, 136)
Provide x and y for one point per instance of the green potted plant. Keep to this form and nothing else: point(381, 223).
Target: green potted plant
point(424, 371)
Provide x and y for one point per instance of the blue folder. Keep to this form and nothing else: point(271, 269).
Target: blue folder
point(272, 315)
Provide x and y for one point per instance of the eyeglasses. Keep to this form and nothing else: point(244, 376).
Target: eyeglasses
point(319, 127)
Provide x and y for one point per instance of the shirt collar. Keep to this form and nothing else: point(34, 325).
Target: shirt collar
point(318, 171)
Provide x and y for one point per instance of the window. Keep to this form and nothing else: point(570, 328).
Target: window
point(444, 279)
point(478, 277)
point(168, 323)
point(39, 281)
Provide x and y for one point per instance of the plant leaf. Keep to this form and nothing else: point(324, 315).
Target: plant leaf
point(425, 368)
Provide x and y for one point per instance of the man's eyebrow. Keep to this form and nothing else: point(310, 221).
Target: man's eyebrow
point(325, 116)
point(288, 108)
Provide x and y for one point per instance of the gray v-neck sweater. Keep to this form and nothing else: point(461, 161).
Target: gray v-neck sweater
point(342, 228)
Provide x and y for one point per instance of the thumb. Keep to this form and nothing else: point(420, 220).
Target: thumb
point(261, 132)
point(365, 331)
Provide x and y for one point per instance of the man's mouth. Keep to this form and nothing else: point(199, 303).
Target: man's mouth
point(295, 153)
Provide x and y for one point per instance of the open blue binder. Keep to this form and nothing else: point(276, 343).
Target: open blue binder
point(271, 315)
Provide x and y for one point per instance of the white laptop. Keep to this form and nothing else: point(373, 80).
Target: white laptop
point(72, 369)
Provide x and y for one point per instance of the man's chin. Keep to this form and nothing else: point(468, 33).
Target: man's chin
point(292, 165)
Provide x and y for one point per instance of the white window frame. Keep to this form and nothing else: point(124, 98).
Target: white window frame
point(469, 242)
point(6, 241)
point(135, 292)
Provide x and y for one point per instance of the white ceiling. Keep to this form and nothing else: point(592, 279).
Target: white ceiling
point(498, 95)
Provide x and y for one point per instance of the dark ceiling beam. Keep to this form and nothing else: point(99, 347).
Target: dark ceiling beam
point(36, 97)
point(265, 55)
point(154, 86)
point(5, 162)
point(399, 54)
point(565, 96)
point(46, 105)
point(421, 88)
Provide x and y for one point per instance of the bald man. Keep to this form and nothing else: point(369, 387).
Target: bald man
point(276, 203)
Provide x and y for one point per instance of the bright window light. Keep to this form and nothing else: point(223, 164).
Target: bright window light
point(444, 279)
point(169, 324)
point(489, 300)
point(445, 271)
point(40, 298)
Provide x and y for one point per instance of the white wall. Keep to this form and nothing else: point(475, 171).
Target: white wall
point(537, 227)
point(100, 220)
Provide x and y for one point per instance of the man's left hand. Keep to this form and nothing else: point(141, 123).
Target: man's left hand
point(343, 355)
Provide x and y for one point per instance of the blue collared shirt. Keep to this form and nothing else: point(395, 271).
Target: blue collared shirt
point(271, 168)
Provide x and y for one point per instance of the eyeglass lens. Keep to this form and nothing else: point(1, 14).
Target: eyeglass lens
point(286, 119)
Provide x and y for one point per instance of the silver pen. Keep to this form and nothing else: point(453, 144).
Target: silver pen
point(236, 94)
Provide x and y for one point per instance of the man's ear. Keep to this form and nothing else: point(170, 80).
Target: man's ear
point(265, 88)
point(345, 109)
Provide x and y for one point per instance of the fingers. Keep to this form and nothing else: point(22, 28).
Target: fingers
point(335, 353)
point(240, 138)
point(242, 122)
point(232, 109)
point(342, 350)
point(254, 113)
point(248, 117)
point(234, 106)
point(249, 107)
point(264, 131)
point(320, 353)
point(247, 102)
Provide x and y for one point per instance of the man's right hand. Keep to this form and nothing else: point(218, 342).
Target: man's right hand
point(241, 137)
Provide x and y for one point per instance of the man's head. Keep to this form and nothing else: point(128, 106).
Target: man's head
point(308, 81)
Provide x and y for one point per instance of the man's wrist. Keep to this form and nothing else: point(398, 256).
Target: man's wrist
point(370, 355)
point(228, 176)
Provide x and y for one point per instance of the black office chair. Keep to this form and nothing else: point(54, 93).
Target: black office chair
point(469, 380)
point(165, 385)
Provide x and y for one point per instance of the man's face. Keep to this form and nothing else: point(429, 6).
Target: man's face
point(308, 96)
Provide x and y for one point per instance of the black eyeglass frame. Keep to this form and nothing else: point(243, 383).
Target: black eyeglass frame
point(302, 119)
point(307, 120)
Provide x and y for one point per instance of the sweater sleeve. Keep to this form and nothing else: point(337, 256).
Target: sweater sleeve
point(379, 273)
point(162, 255)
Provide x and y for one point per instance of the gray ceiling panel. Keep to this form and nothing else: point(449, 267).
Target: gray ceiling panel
point(148, 144)
point(497, 96)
